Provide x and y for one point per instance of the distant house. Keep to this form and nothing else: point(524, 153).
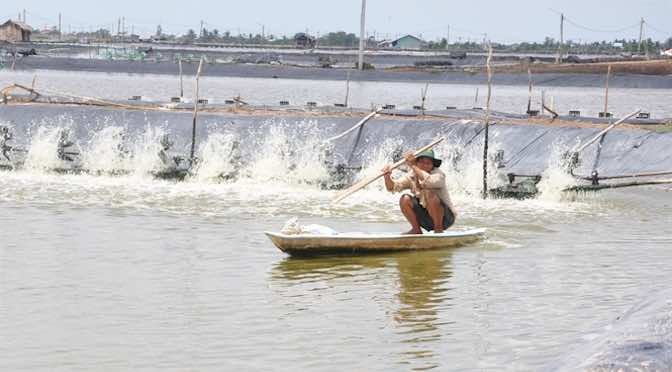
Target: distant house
point(304, 41)
point(667, 53)
point(15, 31)
point(404, 42)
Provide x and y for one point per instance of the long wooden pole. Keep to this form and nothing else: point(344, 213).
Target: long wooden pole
point(359, 124)
point(529, 95)
point(347, 89)
point(193, 127)
point(636, 175)
point(606, 91)
point(424, 97)
point(181, 83)
point(367, 181)
point(580, 147)
point(618, 185)
point(487, 124)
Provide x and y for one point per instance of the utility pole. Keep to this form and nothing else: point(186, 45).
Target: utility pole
point(24, 15)
point(201, 33)
point(362, 30)
point(641, 35)
point(60, 31)
point(448, 37)
point(118, 26)
point(562, 38)
point(123, 25)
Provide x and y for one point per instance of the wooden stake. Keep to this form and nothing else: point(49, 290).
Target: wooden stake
point(543, 102)
point(606, 91)
point(32, 86)
point(347, 89)
point(193, 128)
point(181, 83)
point(476, 98)
point(529, 97)
point(424, 97)
point(487, 124)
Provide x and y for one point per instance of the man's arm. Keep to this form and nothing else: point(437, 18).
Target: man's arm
point(387, 175)
point(392, 185)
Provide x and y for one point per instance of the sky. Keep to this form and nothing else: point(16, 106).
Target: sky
point(499, 20)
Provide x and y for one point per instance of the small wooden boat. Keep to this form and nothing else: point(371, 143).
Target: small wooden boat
point(361, 243)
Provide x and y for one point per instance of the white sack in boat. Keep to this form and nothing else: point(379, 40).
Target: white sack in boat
point(293, 227)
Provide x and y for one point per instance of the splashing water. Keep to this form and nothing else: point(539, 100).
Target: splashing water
point(106, 152)
point(43, 151)
point(283, 158)
point(555, 178)
point(219, 156)
point(463, 166)
point(146, 150)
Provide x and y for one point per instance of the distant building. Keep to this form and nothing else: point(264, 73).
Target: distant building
point(404, 42)
point(304, 41)
point(15, 31)
point(667, 53)
point(618, 45)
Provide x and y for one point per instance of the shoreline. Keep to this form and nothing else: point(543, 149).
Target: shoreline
point(512, 77)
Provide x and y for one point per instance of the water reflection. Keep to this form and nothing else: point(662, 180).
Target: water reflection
point(417, 284)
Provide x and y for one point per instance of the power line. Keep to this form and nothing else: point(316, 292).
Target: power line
point(658, 29)
point(613, 31)
point(587, 28)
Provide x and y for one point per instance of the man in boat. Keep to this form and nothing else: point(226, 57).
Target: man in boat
point(428, 205)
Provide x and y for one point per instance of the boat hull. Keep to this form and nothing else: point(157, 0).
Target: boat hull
point(308, 245)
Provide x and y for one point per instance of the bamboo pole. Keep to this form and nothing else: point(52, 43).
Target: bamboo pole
point(487, 123)
point(606, 91)
point(529, 96)
point(181, 82)
point(359, 124)
point(424, 97)
point(347, 89)
point(618, 185)
point(580, 147)
point(193, 128)
point(636, 175)
point(367, 181)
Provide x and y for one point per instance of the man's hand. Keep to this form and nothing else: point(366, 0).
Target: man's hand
point(410, 159)
point(387, 170)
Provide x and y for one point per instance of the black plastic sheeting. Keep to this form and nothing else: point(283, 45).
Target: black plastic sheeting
point(528, 149)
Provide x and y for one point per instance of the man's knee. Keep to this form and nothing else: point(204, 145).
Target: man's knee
point(433, 200)
point(405, 201)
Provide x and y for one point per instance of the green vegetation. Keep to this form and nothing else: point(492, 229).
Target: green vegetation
point(343, 39)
